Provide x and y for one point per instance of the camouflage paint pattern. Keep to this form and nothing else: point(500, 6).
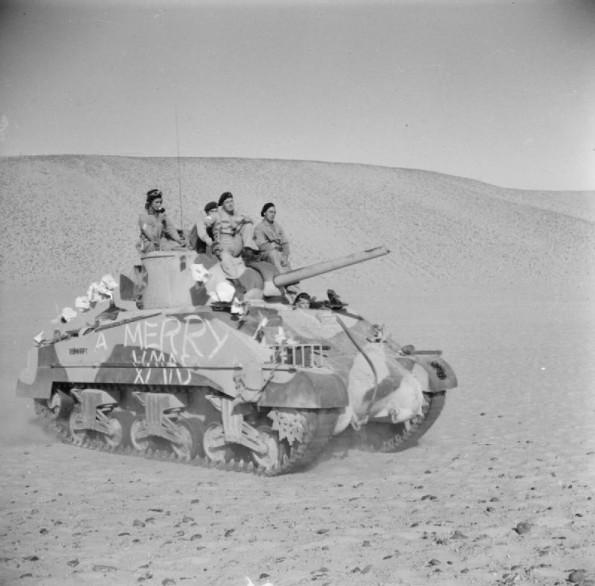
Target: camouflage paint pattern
point(206, 348)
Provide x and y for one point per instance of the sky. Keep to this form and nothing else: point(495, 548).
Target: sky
point(494, 90)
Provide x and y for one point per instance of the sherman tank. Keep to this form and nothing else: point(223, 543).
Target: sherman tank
point(185, 363)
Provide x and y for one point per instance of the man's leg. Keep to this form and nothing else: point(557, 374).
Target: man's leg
point(247, 235)
point(274, 257)
point(232, 267)
point(230, 244)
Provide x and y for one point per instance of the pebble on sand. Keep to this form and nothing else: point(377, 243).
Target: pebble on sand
point(103, 568)
point(522, 528)
point(358, 570)
point(577, 576)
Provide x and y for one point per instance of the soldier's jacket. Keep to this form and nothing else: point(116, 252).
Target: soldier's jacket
point(152, 227)
point(271, 236)
point(229, 224)
point(204, 227)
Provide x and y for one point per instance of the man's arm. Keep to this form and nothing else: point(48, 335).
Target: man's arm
point(170, 229)
point(148, 230)
point(243, 219)
point(201, 230)
point(283, 242)
point(217, 228)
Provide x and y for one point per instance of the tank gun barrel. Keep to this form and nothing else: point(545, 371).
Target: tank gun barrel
point(327, 266)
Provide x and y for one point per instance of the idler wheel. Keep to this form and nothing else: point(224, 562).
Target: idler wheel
point(275, 449)
point(119, 435)
point(216, 449)
point(60, 404)
point(138, 435)
point(75, 423)
point(190, 433)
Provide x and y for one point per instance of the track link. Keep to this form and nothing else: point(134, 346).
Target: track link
point(319, 428)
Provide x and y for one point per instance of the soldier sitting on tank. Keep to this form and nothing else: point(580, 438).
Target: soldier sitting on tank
point(201, 236)
point(271, 240)
point(157, 232)
point(234, 232)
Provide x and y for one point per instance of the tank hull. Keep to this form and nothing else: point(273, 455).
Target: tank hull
point(264, 386)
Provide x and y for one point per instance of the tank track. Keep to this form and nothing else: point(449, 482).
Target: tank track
point(319, 426)
point(392, 438)
point(373, 437)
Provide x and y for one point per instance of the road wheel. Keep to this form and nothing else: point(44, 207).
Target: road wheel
point(190, 445)
point(275, 449)
point(138, 438)
point(120, 424)
point(60, 404)
point(216, 449)
point(78, 433)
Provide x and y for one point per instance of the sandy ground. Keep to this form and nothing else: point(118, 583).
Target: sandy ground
point(499, 491)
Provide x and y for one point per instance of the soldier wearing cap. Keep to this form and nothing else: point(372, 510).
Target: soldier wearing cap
point(204, 227)
point(157, 232)
point(233, 232)
point(271, 240)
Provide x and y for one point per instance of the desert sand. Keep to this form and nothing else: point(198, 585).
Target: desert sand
point(499, 491)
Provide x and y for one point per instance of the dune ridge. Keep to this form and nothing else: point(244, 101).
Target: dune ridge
point(444, 231)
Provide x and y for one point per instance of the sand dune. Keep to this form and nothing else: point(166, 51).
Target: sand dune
point(443, 230)
point(501, 280)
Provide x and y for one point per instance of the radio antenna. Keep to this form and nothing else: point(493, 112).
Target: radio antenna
point(179, 173)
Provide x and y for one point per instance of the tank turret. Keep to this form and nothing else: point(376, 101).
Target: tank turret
point(170, 278)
